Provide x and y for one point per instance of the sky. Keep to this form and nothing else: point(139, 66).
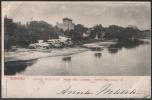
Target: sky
point(86, 13)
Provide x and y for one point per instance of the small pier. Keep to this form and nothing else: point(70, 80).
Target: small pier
point(94, 47)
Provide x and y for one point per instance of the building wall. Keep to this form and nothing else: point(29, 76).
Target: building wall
point(66, 25)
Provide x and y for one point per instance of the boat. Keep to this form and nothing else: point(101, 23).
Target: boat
point(68, 58)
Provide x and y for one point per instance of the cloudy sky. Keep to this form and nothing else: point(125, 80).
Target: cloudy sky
point(86, 13)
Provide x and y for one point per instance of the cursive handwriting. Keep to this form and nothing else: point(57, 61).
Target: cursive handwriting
point(71, 91)
point(108, 89)
point(105, 89)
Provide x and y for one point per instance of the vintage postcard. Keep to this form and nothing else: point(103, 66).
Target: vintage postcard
point(76, 49)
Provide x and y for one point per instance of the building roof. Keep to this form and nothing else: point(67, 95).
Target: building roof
point(67, 19)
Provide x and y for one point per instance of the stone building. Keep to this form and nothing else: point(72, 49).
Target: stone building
point(66, 25)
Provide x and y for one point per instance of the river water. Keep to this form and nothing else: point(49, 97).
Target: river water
point(110, 61)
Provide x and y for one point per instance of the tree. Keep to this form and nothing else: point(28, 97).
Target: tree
point(40, 30)
point(77, 33)
point(97, 30)
point(15, 34)
point(22, 35)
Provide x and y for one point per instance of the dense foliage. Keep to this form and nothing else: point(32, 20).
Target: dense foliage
point(22, 35)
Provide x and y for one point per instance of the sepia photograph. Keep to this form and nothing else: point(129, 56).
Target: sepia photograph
point(76, 38)
point(87, 49)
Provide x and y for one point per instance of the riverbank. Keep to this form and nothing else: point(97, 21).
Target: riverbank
point(30, 54)
point(23, 54)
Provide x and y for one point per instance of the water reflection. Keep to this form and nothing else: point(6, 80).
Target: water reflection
point(114, 48)
point(66, 61)
point(128, 62)
point(13, 67)
point(98, 55)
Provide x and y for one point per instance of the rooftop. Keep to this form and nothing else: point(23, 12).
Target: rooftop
point(67, 19)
